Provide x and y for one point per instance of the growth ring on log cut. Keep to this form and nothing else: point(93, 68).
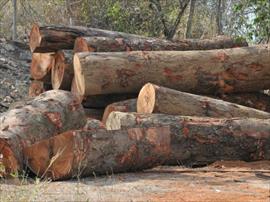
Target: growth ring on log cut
point(35, 37)
point(146, 99)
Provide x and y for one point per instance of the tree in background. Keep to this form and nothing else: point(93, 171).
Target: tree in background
point(254, 19)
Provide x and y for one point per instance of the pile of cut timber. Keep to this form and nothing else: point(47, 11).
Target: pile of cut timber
point(145, 102)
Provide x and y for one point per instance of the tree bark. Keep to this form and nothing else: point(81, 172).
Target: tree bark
point(200, 141)
point(190, 19)
point(219, 17)
point(41, 65)
point(157, 99)
point(107, 44)
point(62, 72)
point(92, 124)
point(54, 38)
point(49, 114)
point(258, 100)
point(122, 106)
point(87, 153)
point(203, 72)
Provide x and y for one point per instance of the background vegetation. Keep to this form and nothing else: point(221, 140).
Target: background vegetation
point(159, 18)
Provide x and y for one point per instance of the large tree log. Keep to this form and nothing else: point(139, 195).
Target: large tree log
point(199, 141)
point(86, 153)
point(122, 106)
point(62, 71)
point(53, 38)
point(157, 99)
point(203, 72)
point(49, 114)
point(108, 44)
point(41, 65)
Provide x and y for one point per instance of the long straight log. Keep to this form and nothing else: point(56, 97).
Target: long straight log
point(49, 114)
point(62, 72)
point(158, 99)
point(41, 65)
point(203, 72)
point(88, 153)
point(257, 100)
point(200, 141)
point(108, 44)
point(54, 38)
point(122, 106)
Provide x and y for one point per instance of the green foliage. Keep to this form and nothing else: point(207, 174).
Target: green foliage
point(254, 19)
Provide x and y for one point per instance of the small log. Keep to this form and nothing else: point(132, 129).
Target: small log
point(202, 72)
point(87, 153)
point(94, 113)
point(49, 114)
point(108, 44)
point(54, 38)
point(122, 106)
point(157, 99)
point(41, 65)
point(62, 72)
point(200, 141)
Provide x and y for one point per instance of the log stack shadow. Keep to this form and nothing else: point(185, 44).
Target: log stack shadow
point(108, 102)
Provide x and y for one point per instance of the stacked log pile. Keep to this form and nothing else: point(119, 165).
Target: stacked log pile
point(146, 101)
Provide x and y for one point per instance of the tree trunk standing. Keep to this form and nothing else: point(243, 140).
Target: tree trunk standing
point(62, 72)
point(203, 72)
point(219, 18)
point(190, 19)
point(87, 153)
point(49, 114)
point(14, 27)
point(200, 141)
point(157, 99)
point(122, 106)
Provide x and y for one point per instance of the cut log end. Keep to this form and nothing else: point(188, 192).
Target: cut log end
point(58, 70)
point(78, 84)
point(8, 161)
point(40, 161)
point(41, 64)
point(35, 38)
point(146, 99)
point(82, 46)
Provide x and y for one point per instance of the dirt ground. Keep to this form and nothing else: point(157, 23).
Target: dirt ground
point(222, 181)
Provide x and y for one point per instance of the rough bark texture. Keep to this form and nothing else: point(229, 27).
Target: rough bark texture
point(122, 106)
point(258, 100)
point(87, 153)
point(108, 44)
point(157, 99)
point(62, 71)
point(41, 65)
point(94, 113)
point(49, 114)
point(200, 141)
point(53, 38)
point(203, 72)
